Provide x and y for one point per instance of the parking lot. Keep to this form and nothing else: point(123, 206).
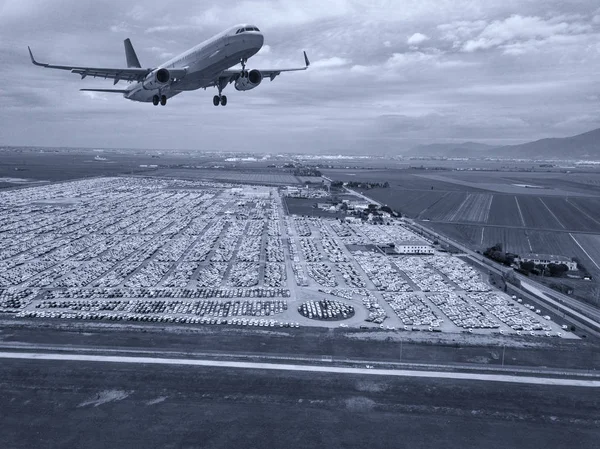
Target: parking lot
point(138, 249)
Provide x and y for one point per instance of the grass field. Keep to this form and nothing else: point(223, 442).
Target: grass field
point(572, 218)
point(504, 211)
point(536, 214)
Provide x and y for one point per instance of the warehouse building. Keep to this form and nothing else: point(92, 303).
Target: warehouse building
point(413, 247)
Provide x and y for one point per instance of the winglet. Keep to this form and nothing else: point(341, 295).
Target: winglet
point(32, 58)
point(306, 61)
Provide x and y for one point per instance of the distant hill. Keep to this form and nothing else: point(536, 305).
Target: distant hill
point(465, 149)
point(581, 146)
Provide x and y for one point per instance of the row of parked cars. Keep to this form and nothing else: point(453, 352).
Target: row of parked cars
point(345, 293)
point(459, 272)
point(158, 292)
point(422, 274)
point(107, 316)
point(462, 312)
point(310, 252)
point(322, 274)
point(12, 299)
point(351, 276)
point(381, 272)
point(275, 274)
point(510, 312)
point(412, 310)
point(201, 308)
point(302, 226)
point(331, 247)
point(326, 309)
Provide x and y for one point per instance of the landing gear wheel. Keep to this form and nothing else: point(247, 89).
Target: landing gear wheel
point(224, 100)
point(216, 100)
point(155, 100)
point(163, 100)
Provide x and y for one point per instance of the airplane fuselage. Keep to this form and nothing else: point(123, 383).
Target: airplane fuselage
point(203, 63)
point(208, 64)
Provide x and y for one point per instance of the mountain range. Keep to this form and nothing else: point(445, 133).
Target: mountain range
point(581, 146)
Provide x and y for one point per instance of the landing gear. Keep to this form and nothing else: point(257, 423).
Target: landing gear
point(162, 99)
point(220, 100)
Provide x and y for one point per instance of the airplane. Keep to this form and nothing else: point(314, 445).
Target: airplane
point(208, 64)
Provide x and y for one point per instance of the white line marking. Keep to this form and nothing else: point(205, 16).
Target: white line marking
point(552, 213)
point(583, 249)
point(308, 368)
point(520, 213)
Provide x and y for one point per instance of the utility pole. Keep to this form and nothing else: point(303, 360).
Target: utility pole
point(503, 350)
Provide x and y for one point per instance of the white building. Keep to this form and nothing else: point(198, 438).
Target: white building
point(547, 259)
point(413, 247)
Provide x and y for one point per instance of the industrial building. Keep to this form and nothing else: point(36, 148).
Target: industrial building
point(413, 247)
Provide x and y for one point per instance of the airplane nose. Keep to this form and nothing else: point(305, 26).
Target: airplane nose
point(258, 40)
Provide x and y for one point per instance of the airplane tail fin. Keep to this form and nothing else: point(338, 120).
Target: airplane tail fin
point(132, 59)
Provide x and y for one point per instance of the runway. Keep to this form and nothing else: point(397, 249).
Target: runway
point(531, 380)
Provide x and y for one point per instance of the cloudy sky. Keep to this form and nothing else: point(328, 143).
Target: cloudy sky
point(385, 74)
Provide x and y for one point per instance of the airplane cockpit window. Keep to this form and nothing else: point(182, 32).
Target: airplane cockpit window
point(241, 30)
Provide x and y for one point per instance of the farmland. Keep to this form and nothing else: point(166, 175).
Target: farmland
point(526, 212)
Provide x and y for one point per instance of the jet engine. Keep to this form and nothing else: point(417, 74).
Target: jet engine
point(156, 79)
point(249, 80)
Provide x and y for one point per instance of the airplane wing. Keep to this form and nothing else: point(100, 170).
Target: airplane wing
point(231, 75)
point(116, 74)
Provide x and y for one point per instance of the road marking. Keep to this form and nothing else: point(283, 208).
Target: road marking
point(520, 213)
point(583, 249)
point(552, 213)
point(308, 368)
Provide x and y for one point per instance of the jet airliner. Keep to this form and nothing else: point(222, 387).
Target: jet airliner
point(208, 64)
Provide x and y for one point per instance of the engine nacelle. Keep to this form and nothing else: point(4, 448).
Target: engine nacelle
point(156, 79)
point(249, 80)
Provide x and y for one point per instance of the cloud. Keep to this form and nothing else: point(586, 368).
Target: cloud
point(517, 28)
point(417, 39)
point(494, 70)
point(330, 62)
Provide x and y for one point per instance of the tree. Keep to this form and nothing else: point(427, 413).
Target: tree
point(528, 266)
point(557, 270)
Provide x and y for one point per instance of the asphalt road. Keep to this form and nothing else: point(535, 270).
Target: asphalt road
point(97, 405)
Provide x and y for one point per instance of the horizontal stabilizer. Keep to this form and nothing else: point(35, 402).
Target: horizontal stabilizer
point(114, 91)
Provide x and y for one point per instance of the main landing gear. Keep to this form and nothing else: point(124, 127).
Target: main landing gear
point(220, 100)
point(162, 99)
